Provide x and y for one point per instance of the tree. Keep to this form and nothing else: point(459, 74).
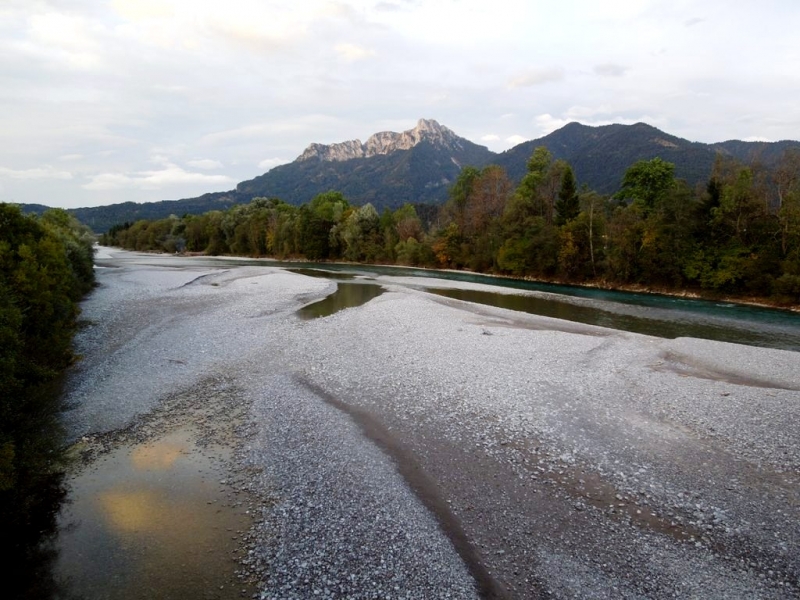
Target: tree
point(361, 235)
point(45, 267)
point(647, 182)
point(456, 206)
point(568, 203)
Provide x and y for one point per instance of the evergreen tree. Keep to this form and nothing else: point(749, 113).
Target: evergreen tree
point(568, 204)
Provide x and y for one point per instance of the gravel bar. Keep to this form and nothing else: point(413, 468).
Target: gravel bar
point(422, 447)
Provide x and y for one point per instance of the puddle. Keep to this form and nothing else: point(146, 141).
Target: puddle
point(153, 520)
point(347, 295)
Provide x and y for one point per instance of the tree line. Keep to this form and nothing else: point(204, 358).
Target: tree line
point(737, 235)
point(46, 266)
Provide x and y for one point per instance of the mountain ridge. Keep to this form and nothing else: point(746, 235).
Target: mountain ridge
point(419, 165)
point(384, 142)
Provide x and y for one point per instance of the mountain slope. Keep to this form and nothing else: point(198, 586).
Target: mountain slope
point(420, 164)
point(600, 155)
point(389, 170)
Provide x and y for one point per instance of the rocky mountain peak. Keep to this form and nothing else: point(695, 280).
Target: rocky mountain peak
point(385, 142)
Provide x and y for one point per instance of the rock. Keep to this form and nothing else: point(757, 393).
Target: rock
point(385, 142)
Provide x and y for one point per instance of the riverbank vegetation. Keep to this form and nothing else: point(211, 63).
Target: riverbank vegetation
point(737, 235)
point(46, 266)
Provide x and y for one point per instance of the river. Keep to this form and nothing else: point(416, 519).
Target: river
point(362, 431)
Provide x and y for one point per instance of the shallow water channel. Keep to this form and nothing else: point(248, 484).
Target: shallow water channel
point(650, 314)
point(653, 314)
point(152, 520)
point(347, 295)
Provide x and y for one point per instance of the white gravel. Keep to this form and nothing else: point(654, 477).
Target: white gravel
point(576, 461)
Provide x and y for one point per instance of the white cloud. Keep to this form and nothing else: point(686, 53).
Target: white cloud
point(141, 10)
point(308, 127)
point(100, 85)
point(46, 172)
point(353, 52)
point(547, 123)
point(533, 77)
point(65, 39)
point(270, 163)
point(170, 175)
point(516, 139)
point(108, 181)
point(610, 70)
point(206, 164)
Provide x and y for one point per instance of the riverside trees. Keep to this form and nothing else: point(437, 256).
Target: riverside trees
point(45, 268)
point(739, 234)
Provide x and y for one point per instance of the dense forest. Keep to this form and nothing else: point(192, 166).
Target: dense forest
point(737, 234)
point(46, 266)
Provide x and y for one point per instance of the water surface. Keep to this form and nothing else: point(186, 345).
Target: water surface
point(152, 521)
point(347, 295)
point(653, 314)
point(659, 321)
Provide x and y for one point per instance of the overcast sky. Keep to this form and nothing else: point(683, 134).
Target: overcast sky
point(110, 101)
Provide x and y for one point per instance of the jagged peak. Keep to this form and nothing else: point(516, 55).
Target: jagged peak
point(383, 142)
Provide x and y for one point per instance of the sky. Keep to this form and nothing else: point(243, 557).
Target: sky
point(107, 101)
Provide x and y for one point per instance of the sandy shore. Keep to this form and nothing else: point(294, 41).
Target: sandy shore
point(424, 447)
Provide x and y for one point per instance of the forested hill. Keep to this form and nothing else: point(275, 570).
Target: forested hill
point(599, 156)
point(424, 172)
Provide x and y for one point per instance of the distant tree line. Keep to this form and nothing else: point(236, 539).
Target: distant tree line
point(46, 266)
point(739, 234)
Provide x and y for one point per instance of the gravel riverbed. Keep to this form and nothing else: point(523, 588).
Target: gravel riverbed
point(422, 447)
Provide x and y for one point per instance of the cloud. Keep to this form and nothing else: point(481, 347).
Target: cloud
point(756, 138)
point(694, 21)
point(547, 123)
point(46, 172)
point(490, 138)
point(270, 163)
point(142, 10)
point(206, 164)
point(170, 175)
point(609, 70)
point(388, 7)
point(353, 52)
point(65, 39)
point(535, 77)
point(515, 140)
point(70, 157)
point(303, 126)
point(108, 181)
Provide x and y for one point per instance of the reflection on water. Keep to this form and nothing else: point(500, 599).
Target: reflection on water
point(347, 295)
point(151, 521)
point(651, 320)
point(323, 273)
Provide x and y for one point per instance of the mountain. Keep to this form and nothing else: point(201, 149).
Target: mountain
point(599, 156)
point(390, 169)
point(420, 164)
